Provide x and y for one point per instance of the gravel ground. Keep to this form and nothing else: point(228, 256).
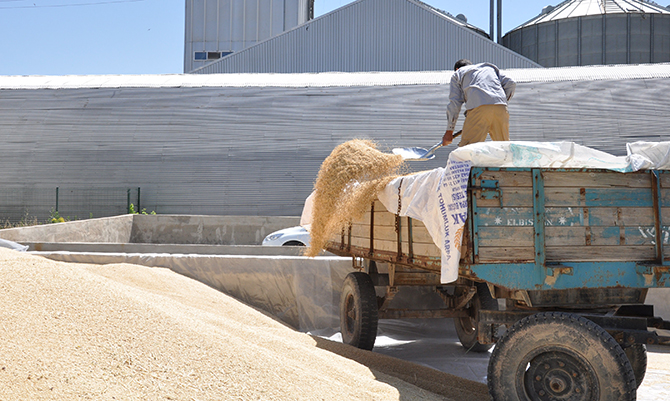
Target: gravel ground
point(127, 332)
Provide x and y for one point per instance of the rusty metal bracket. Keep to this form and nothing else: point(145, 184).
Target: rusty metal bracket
point(489, 189)
point(390, 294)
point(463, 300)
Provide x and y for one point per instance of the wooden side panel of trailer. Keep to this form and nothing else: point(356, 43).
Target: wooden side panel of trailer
point(589, 216)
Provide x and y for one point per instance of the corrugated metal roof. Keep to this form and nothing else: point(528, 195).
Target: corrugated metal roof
point(455, 20)
point(325, 79)
point(582, 8)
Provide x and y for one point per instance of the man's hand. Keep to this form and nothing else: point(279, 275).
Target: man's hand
point(448, 137)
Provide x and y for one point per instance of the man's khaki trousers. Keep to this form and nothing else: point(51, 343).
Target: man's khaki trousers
point(487, 119)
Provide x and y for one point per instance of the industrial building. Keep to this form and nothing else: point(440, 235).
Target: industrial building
point(595, 32)
point(217, 28)
point(369, 35)
point(252, 144)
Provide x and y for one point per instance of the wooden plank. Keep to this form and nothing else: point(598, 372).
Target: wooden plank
point(507, 178)
point(665, 196)
point(382, 218)
point(565, 236)
point(598, 236)
point(506, 236)
point(600, 253)
point(506, 254)
point(625, 216)
point(515, 217)
point(420, 233)
point(380, 232)
point(555, 216)
point(665, 179)
point(425, 249)
point(511, 196)
point(596, 179)
point(618, 197)
point(644, 235)
point(575, 197)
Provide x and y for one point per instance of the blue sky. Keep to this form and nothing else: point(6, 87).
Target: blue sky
point(80, 37)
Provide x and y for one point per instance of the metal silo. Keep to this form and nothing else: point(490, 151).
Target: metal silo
point(217, 28)
point(591, 32)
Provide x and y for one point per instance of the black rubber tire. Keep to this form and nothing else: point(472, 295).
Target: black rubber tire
point(466, 327)
point(556, 355)
point(359, 315)
point(637, 356)
point(293, 243)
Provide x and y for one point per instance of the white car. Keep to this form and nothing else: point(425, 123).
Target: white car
point(293, 236)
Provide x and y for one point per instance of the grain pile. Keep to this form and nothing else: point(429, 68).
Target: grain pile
point(348, 180)
point(126, 332)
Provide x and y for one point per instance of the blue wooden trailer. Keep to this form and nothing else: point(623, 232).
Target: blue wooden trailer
point(555, 268)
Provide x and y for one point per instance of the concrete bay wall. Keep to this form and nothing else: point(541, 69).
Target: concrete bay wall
point(156, 229)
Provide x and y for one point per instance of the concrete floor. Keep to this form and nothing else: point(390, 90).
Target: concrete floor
point(433, 342)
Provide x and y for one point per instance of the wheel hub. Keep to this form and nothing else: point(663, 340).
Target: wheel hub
point(350, 308)
point(557, 375)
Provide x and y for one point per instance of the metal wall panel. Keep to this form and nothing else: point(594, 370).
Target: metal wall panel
point(546, 48)
point(371, 35)
point(640, 40)
point(528, 42)
point(616, 39)
point(568, 42)
point(231, 149)
point(233, 25)
point(592, 40)
point(595, 39)
point(661, 37)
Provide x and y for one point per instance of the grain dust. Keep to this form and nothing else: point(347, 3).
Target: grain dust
point(348, 181)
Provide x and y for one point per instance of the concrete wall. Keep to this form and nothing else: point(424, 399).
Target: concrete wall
point(302, 292)
point(156, 229)
point(215, 230)
point(660, 298)
point(110, 229)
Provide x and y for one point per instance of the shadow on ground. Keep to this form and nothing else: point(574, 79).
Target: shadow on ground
point(397, 354)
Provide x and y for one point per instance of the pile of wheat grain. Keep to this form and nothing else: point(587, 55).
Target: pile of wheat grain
point(348, 181)
point(127, 332)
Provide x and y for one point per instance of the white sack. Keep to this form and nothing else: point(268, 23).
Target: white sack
point(650, 155)
point(438, 198)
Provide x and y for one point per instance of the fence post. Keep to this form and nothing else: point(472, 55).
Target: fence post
point(56, 198)
point(128, 201)
point(138, 199)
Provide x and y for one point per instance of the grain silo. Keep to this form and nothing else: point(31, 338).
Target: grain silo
point(592, 32)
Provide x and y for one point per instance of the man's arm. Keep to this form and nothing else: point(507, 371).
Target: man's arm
point(448, 137)
point(509, 86)
point(456, 100)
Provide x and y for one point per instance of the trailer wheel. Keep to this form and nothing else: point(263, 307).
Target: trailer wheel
point(637, 356)
point(358, 311)
point(555, 355)
point(466, 327)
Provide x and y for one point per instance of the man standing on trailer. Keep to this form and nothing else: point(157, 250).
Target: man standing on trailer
point(485, 92)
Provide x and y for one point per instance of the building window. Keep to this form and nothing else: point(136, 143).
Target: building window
point(203, 56)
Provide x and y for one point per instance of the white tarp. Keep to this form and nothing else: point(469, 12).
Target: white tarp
point(439, 197)
point(12, 245)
